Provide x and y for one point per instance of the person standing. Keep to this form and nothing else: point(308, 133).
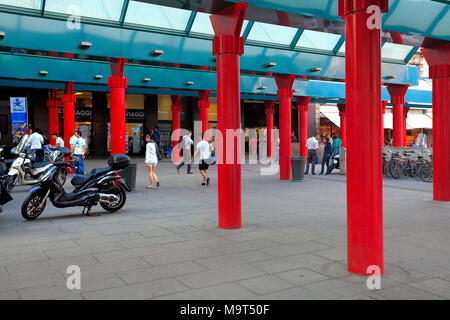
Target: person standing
point(337, 143)
point(421, 140)
point(186, 144)
point(151, 160)
point(157, 137)
point(78, 149)
point(293, 137)
point(312, 145)
point(35, 141)
point(59, 142)
point(326, 155)
point(204, 149)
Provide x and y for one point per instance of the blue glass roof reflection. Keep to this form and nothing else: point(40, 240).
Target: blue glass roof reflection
point(27, 4)
point(272, 33)
point(109, 10)
point(151, 15)
point(318, 40)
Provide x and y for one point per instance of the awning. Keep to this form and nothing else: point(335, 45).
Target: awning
point(414, 121)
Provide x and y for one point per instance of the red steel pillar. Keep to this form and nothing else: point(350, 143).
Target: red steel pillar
point(438, 58)
point(383, 112)
point(343, 116)
point(117, 84)
point(176, 125)
point(285, 94)
point(203, 105)
point(405, 116)
point(269, 108)
point(303, 107)
point(68, 100)
point(397, 92)
point(53, 115)
point(228, 46)
point(364, 168)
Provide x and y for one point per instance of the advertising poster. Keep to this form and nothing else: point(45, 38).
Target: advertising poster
point(19, 119)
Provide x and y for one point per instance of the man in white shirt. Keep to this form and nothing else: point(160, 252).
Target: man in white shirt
point(186, 144)
point(312, 144)
point(421, 140)
point(35, 141)
point(78, 148)
point(59, 143)
point(204, 149)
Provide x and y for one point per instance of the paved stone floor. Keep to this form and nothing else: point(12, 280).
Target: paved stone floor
point(165, 243)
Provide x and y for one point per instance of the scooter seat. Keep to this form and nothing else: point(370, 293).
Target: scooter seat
point(40, 164)
point(98, 172)
point(80, 179)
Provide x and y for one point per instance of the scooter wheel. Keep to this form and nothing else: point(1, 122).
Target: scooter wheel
point(119, 204)
point(31, 204)
point(10, 182)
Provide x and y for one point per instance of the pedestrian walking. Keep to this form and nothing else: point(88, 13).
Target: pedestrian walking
point(152, 156)
point(78, 150)
point(186, 144)
point(312, 144)
point(326, 155)
point(204, 149)
point(293, 137)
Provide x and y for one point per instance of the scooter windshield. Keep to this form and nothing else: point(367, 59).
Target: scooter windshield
point(21, 146)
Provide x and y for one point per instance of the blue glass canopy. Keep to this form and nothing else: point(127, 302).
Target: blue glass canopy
point(139, 15)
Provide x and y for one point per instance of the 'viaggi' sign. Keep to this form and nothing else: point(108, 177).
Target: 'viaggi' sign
point(132, 114)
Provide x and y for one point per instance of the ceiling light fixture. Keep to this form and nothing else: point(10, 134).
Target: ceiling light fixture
point(43, 73)
point(85, 45)
point(157, 52)
point(189, 83)
point(146, 80)
point(270, 64)
point(2, 35)
point(391, 77)
point(315, 69)
point(261, 88)
point(98, 77)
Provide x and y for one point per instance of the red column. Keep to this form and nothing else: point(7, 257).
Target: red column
point(176, 119)
point(405, 116)
point(53, 115)
point(117, 84)
point(303, 107)
point(68, 100)
point(285, 94)
point(438, 58)
point(228, 46)
point(397, 92)
point(203, 105)
point(364, 169)
point(269, 108)
point(383, 112)
point(343, 116)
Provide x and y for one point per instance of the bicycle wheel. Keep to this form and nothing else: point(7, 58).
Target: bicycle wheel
point(394, 170)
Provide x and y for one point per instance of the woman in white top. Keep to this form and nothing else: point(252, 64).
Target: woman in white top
point(151, 160)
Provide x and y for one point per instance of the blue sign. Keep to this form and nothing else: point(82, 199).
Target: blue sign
point(19, 119)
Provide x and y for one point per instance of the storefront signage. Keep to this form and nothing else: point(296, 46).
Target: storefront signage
point(81, 113)
point(132, 114)
point(19, 119)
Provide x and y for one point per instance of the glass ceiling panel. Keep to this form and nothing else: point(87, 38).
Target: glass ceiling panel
point(271, 33)
point(202, 24)
point(98, 9)
point(26, 4)
point(157, 16)
point(318, 40)
point(342, 48)
point(395, 51)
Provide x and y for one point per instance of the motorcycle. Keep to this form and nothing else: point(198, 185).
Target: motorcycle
point(104, 186)
point(335, 156)
point(6, 159)
point(5, 197)
point(22, 170)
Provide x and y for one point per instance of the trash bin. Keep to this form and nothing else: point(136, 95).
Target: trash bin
point(129, 174)
point(298, 168)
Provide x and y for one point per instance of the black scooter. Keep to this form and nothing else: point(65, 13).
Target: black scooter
point(104, 186)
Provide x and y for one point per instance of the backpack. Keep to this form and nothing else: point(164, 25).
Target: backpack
point(158, 153)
